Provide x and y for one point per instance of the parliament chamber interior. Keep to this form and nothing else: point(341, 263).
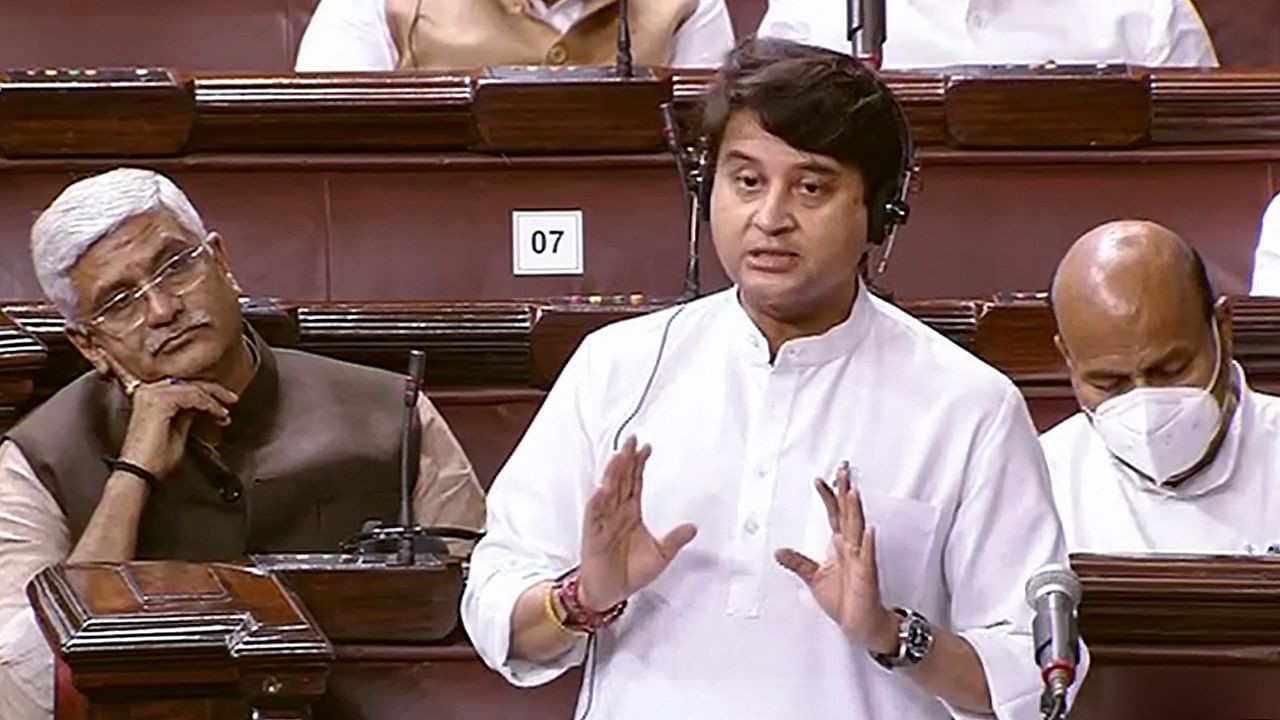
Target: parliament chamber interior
point(368, 214)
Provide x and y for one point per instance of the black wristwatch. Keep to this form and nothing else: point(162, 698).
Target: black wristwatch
point(915, 640)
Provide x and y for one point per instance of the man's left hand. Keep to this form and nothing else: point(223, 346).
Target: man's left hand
point(847, 585)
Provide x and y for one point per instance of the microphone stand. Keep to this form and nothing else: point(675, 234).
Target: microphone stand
point(407, 543)
point(408, 456)
point(865, 29)
point(625, 63)
point(693, 181)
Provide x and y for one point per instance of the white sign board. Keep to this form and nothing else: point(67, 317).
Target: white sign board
point(546, 242)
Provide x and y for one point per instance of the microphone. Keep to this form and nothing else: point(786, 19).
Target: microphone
point(625, 64)
point(693, 181)
point(1054, 592)
point(866, 30)
point(407, 543)
point(409, 437)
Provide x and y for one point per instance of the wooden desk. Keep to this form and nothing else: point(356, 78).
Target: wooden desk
point(1169, 637)
point(1185, 637)
point(489, 364)
point(380, 187)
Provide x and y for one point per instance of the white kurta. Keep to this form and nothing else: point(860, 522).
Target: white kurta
point(941, 446)
point(1232, 506)
point(934, 33)
point(1266, 257)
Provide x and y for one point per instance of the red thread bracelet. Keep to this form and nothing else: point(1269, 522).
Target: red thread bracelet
point(579, 616)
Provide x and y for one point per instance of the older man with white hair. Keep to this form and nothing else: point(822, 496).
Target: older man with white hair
point(192, 438)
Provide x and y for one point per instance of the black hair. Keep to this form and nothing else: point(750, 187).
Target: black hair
point(815, 100)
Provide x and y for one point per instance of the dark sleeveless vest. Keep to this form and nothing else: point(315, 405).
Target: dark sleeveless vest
point(312, 451)
point(453, 34)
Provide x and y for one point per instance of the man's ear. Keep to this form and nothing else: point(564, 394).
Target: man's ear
point(1062, 349)
point(90, 350)
point(1222, 312)
point(214, 241)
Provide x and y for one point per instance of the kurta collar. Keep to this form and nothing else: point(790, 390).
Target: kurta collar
point(840, 341)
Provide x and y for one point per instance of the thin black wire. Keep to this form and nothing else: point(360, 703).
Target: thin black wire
point(1058, 711)
point(662, 346)
point(589, 678)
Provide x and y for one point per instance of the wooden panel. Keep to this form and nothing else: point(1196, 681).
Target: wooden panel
point(1168, 637)
point(1015, 108)
point(490, 363)
point(369, 187)
point(535, 110)
point(445, 233)
point(21, 357)
point(353, 112)
point(998, 108)
point(994, 223)
point(1196, 106)
point(114, 112)
point(226, 35)
point(442, 684)
point(273, 226)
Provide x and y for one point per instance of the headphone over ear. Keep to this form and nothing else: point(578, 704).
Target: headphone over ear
point(887, 210)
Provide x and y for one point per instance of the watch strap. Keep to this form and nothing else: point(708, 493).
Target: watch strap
point(915, 640)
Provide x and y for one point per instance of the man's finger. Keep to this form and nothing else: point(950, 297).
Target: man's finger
point(673, 541)
point(637, 472)
point(128, 381)
point(828, 502)
point(607, 493)
point(193, 398)
point(798, 563)
point(869, 550)
point(854, 522)
point(216, 391)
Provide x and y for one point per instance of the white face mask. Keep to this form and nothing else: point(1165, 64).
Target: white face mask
point(1161, 431)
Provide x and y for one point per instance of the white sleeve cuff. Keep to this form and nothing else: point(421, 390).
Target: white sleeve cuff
point(487, 607)
point(26, 664)
point(1008, 661)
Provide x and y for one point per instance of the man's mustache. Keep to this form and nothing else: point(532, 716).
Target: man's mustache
point(190, 321)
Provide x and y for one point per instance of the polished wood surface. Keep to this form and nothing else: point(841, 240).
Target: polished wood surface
point(1176, 637)
point(182, 641)
point(489, 364)
point(1180, 637)
point(366, 186)
point(575, 110)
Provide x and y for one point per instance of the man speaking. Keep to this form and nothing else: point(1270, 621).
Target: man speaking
point(705, 572)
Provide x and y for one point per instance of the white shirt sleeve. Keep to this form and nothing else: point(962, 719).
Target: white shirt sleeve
point(1005, 530)
point(1178, 37)
point(347, 35)
point(705, 39)
point(1266, 259)
point(33, 535)
point(534, 522)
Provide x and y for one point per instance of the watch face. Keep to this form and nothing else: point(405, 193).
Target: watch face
point(917, 637)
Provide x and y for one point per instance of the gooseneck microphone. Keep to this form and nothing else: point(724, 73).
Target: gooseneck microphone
point(409, 432)
point(694, 182)
point(866, 30)
point(624, 61)
point(1053, 592)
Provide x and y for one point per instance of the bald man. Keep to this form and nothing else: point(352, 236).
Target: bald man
point(1172, 451)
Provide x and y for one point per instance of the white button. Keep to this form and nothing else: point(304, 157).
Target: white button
point(761, 471)
point(978, 20)
point(750, 526)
